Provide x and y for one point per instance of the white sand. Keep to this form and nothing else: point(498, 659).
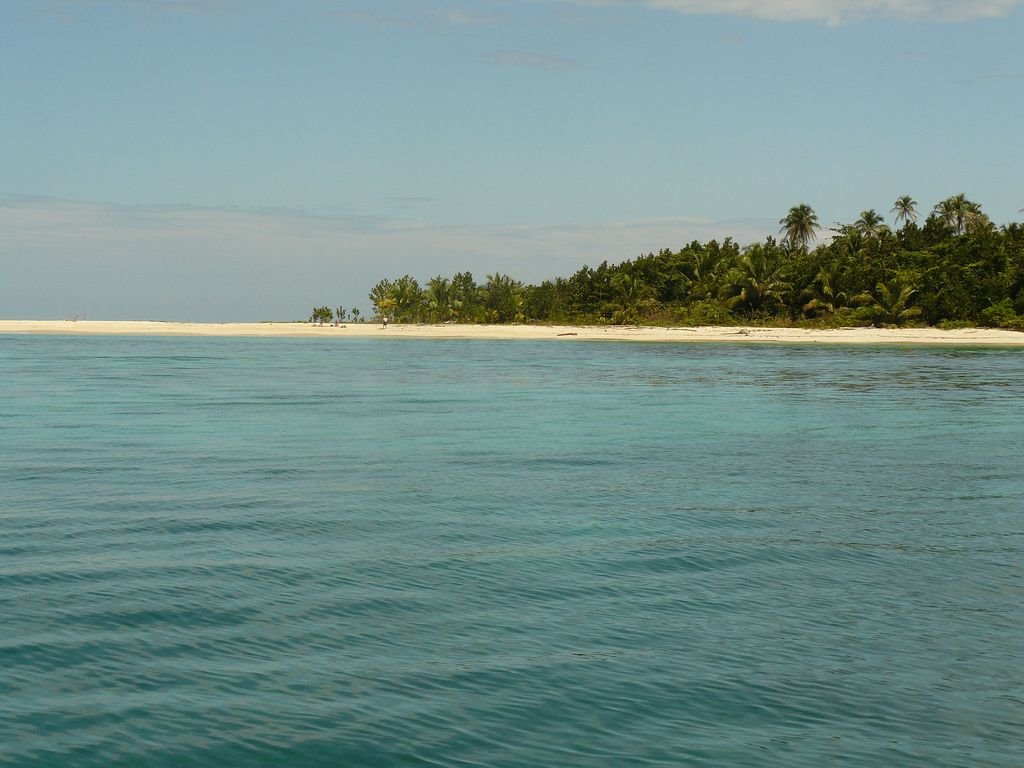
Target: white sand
point(912, 336)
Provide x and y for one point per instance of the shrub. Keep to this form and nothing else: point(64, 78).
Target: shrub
point(1002, 315)
point(707, 312)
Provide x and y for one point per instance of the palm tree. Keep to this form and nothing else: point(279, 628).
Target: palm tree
point(756, 282)
point(825, 296)
point(439, 298)
point(465, 295)
point(340, 314)
point(503, 299)
point(704, 271)
point(848, 239)
point(632, 297)
point(871, 224)
point(905, 209)
point(945, 211)
point(960, 214)
point(799, 225)
point(355, 314)
point(381, 291)
point(976, 221)
point(387, 307)
point(408, 298)
point(889, 304)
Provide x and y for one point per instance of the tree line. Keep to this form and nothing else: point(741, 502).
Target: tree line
point(325, 314)
point(954, 267)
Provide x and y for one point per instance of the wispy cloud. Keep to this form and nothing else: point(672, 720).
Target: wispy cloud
point(828, 11)
point(534, 60)
point(377, 19)
point(63, 257)
point(408, 202)
point(424, 19)
point(463, 18)
point(832, 11)
point(993, 77)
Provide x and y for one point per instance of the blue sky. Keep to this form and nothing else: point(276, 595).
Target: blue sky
point(247, 159)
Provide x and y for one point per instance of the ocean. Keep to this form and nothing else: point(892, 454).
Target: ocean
point(387, 552)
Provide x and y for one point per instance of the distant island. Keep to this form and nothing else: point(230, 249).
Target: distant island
point(956, 269)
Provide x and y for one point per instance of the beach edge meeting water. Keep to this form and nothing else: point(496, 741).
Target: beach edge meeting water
point(742, 334)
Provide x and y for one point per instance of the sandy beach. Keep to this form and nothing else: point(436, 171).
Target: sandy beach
point(750, 335)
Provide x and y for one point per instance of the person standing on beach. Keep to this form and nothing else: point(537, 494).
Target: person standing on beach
point(385, 321)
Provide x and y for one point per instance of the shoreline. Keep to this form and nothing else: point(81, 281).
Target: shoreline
point(736, 334)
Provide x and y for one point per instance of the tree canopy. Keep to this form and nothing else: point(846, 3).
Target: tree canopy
point(956, 267)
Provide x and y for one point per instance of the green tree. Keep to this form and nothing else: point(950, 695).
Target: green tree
point(849, 240)
point(382, 291)
point(905, 209)
point(705, 268)
point(889, 303)
point(438, 296)
point(547, 301)
point(408, 299)
point(960, 267)
point(321, 315)
point(465, 297)
point(800, 225)
point(503, 299)
point(756, 284)
point(961, 215)
point(824, 296)
point(340, 314)
point(355, 314)
point(946, 212)
point(871, 224)
point(632, 298)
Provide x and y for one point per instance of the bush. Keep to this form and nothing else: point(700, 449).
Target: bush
point(1002, 315)
point(707, 312)
point(841, 318)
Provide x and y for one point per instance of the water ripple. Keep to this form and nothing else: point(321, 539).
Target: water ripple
point(245, 552)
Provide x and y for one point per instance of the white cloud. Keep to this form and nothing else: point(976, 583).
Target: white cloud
point(833, 11)
point(418, 18)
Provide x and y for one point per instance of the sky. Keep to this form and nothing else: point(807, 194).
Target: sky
point(246, 160)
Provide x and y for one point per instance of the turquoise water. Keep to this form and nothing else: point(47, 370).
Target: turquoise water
point(231, 552)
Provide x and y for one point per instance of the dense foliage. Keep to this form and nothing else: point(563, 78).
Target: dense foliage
point(956, 267)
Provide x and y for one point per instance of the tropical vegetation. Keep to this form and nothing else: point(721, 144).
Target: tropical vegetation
point(325, 314)
point(956, 267)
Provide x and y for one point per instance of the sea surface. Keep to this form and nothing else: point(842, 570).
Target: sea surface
point(373, 552)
